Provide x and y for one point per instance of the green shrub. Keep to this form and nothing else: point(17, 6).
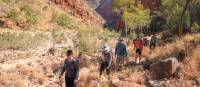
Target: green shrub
point(7, 1)
point(62, 20)
point(195, 27)
point(13, 14)
point(92, 39)
point(31, 15)
point(132, 35)
point(23, 40)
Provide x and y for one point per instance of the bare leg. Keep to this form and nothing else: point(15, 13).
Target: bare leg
point(136, 56)
point(140, 58)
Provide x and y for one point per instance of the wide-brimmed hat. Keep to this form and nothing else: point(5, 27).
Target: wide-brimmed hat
point(120, 39)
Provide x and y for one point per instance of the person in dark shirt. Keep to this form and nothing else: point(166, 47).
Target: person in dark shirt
point(121, 53)
point(71, 69)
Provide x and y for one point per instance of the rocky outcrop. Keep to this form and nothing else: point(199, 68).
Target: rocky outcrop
point(93, 3)
point(105, 10)
point(79, 8)
point(164, 68)
point(5, 23)
point(152, 5)
point(156, 84)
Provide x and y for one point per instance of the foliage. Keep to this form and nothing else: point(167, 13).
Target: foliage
point(13, 14)
point(91, 40)
point(174, 17)
point(172, 11)
point(23, 40)
point(132, 35)
point(195, 11)
point(7, 1)
point(195, 27)
point(31, 15)
point(62, 20)
point(135, 14)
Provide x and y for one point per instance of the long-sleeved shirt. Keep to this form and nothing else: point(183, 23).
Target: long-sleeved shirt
point(71, 68)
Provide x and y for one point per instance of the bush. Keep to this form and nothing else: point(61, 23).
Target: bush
point(92, 39)
point(7, 1)
point(132, 35)
point(23, 40)
point(31, 15)
point(195, 27)
point(13, 14)
point(62, 20)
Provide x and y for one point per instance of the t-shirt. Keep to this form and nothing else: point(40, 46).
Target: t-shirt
point(71, 68)
point(138, 43)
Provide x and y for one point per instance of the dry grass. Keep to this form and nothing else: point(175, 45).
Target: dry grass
point(22, 40)
point(189, 43)
point(11, 79)
point(37, 76)
point(191, 67)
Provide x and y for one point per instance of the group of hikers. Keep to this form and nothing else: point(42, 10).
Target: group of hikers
point(71, 64)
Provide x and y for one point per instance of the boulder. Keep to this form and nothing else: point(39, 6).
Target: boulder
point(196, 81)
point(156, 83)
point(84, 74)
point(164, 68)
point(181, 55)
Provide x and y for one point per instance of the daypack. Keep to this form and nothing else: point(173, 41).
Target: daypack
point(121, 49)
point(106, 55)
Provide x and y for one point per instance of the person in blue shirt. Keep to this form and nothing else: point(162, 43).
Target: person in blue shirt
point(71, 69)
point(121, 53)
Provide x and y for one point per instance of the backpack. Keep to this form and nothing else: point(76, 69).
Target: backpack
point(121, 49)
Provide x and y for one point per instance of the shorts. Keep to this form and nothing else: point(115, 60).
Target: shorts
point(138, 51)
point(104, 65)
point(120, 59)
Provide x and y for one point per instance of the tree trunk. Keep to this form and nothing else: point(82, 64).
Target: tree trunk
point(180, 26)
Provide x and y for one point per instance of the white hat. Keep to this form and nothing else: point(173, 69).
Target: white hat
point(106, 48)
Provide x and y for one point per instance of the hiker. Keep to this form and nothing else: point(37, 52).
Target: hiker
point(106, 60)
point(153, 42)
point(146, 42)
point(120, 53)
point(71, 69)
point(138, 46)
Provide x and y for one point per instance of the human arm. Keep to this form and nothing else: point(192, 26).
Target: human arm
point(62, 71)
point(116, 48)
point(111, 59)
point(76, 69)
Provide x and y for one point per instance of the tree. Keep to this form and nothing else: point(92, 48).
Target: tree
point(180, 13)
point(134, 14)
point(181, 17)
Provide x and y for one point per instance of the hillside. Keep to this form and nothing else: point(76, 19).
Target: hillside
point(35, 35)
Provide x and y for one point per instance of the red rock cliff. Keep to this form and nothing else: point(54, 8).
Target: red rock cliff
point(80, 9)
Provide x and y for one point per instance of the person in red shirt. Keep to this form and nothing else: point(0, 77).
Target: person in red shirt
point(138, 46)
